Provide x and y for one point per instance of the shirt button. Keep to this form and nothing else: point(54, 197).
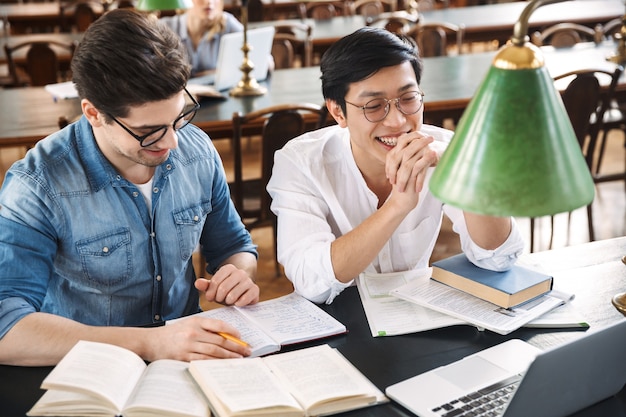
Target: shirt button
point(157, 317)
point(119, 177)
point(135, 194)
point(195, 218)
point(155, 190)
point(168, 166)
point(105, 249)
point(158, 277)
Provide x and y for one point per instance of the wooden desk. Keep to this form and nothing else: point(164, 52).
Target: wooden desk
point(33, 17)
point(496, 21)
point(592, 271)
point(482, 23)
point(29, 114)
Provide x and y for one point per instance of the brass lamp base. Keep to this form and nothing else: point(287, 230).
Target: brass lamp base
point(248, 88)
point(619, 300)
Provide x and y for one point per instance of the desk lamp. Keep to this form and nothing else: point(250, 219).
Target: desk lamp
point(514, 151)
point(157, 5)
point(248, 85)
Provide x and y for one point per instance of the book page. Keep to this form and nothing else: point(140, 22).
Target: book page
point(167, 386)
point(483, 314)
point(260, 342)
point(319, 374)
point(292, 319)
point(238, 385)
point(117, 370)
point(388, 315)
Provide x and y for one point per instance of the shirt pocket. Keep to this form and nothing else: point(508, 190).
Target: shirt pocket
point(416, 244)
point(107, 258)
point(189, 223)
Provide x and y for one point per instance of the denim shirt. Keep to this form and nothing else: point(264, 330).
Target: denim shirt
point(78, 240)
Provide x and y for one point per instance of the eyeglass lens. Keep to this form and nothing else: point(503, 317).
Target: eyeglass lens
point(178, 124)
point(408, 103)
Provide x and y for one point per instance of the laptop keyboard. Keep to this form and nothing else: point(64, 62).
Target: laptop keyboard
point(487, 402)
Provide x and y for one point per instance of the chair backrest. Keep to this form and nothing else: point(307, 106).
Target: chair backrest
point(611, 29)
point(586, 99)
point(564, 35)
point(432, 38)
point(396, 22)
point(291, 41)
point(78, 15)
point(281, 123)
point(372, 8)
point(41, 63)
point(320, 10)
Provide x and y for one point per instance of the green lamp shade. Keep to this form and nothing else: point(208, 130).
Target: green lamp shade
point(152, 5)
point(514, 151)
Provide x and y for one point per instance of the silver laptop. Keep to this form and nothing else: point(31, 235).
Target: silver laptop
point(230, 57)
point(519, 380)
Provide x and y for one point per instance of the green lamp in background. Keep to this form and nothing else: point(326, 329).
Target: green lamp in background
point(514, 151)
point(154, 5)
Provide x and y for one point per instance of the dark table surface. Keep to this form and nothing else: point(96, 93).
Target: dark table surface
point(594, 272)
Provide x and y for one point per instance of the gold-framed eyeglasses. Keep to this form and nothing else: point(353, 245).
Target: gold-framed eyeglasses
point(377, 109)
point(157, 134)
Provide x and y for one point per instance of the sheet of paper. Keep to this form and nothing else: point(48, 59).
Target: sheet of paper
point(388, 315)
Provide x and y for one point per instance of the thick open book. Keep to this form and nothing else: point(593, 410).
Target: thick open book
point(98, 379)
point(270, 324)
point(312, 381)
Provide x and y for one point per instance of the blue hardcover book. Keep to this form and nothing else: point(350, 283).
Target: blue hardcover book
point(505, 289)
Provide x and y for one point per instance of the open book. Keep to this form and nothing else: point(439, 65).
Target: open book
point(312, 381)
point(388, 315)
point(270, 324)
point(432, 294)
point(107, 380)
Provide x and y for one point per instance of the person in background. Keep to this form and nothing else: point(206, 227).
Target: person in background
point(98, 222)
point(200, 28)
point(354, 196)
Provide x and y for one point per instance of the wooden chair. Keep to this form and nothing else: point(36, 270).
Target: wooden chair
point(564, 35)
point(77, 15)
point(290, 42)
point(372, 8)
point(396, 22)
point(41, 64)
point(586, 103)
point(432, 38)
point(320, 10)
point(280, 123)
point(610, 30)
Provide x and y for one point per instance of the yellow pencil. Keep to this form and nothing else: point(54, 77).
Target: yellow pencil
point(233, 338)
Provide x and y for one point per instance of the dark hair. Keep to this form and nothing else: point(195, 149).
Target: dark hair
point(128, 58)
point(360, 55)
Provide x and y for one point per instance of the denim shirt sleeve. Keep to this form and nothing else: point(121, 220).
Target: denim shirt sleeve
point(25, 233)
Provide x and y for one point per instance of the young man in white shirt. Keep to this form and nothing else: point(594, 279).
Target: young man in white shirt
point(354, 197)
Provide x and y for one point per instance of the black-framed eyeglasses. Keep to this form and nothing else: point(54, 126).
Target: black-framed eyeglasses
point(157, 134)
point(377, 109)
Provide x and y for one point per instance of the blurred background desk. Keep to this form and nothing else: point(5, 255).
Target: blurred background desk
point(30, 113)
point(495, 21)
point(593, 272)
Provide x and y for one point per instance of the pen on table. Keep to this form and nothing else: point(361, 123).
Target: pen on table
point(233, 338)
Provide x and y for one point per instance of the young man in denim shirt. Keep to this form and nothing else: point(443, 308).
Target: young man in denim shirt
point(99, 221)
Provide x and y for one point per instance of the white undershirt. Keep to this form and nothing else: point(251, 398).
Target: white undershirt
point(146, 191)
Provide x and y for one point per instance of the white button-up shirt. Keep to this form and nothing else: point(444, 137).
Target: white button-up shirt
point(319, 194)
